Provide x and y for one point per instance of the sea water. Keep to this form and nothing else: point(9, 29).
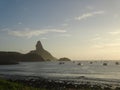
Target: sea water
point(68, 69)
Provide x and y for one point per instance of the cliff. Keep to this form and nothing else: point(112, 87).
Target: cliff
point(42, 52)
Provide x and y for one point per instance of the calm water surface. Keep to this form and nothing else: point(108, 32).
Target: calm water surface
point(66, 70)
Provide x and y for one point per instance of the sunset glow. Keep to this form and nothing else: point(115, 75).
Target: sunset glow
point(78, 29)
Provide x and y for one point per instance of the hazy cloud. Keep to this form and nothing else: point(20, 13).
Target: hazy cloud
point(65, 24)
point(98, 46)
point(19, 23)
point(90, 7)
point(88, 15)
point(30, 33)
point(114, 33)
point(44, 38)
point(108, 40)
point(107, 45)
point(65, 35)
point(116, 16)
point(96, 38)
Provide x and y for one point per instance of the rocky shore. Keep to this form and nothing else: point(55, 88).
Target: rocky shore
point(57, 84)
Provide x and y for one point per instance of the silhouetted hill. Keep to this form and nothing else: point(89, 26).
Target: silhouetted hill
point(9, 57)
point(15, 57)
point(42, 52)
point(36, 55)
point(31, 57)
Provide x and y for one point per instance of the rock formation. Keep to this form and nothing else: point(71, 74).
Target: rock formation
point(36, 55)
point(42, 52)
point(64, 59)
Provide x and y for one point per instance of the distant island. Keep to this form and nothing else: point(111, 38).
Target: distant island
point(64, 59)
point(39, 54)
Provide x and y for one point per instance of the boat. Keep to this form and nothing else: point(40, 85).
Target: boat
point(79, 64)
point(117, 63)
point(104, 64)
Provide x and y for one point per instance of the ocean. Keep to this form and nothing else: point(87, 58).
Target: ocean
point(65, 70)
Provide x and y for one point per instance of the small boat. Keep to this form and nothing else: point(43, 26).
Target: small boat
point(117, 63)
point(104, 64)
point(79, 64)
point(91, 62)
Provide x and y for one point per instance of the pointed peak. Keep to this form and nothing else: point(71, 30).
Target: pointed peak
point(39, 46)
point(39, 42)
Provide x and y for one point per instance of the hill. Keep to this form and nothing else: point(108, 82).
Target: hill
point(15, 57)
point(42, 52)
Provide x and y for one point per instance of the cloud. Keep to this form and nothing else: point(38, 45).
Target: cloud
point(107, 45)
point(96, 38)
point(88, 15)
point(116, 16)
point(30, 33)
point(114, 33)
point(64, 24)
point(98, 46)
point(90, 7)
point(44, 38)
point(107, 40)
point(19, 23)
point(65, 35)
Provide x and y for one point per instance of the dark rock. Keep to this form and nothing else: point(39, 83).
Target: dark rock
point(42, 52)
point(64, 59)
point(7, 58)
point(39, 46)
point(31, 57)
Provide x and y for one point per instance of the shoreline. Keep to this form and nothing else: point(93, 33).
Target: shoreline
point(53, 83)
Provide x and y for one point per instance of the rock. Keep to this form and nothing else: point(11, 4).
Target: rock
point(64, 59)
point(39, 46)
point(42, 52)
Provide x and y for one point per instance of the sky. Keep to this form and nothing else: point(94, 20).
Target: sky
point(77, 29)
